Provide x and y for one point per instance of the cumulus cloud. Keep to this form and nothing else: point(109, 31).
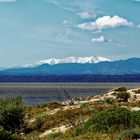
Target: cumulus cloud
point(86, 15)
point(7, 1)
point(106, 22)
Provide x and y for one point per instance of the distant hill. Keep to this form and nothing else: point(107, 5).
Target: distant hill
point(121, 67)
point(70, 78)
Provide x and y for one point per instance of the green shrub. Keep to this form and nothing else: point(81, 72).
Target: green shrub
point(123, 96)
point(16, 137)
point(5, 135)
point(78, 130)
point(54, 135)
point(129, 134)
point(40, 120)
point(135, 118)
point(109, 101)
point(120, 89)
point(109, 120)
point(12, 113)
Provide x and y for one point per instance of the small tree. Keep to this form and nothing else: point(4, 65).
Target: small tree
point(11, 113)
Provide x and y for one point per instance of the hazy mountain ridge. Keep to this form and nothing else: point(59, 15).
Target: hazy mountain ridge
point(121, 67)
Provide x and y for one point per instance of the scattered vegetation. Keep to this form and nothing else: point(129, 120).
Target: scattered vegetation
point(108, 119)
point(51, 106)
point(70, 117)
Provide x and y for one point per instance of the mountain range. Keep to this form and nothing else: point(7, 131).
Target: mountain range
point(78, 66)
point(69, 60)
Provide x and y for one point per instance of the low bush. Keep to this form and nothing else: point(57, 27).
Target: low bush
point(123, 96)
point(51, 105)
point(130, 134)
point(54, 135)
point(40, 120)
point(109, 120)
point(31, 112)
point(5, 135)
point(54, 105)
point(120, 89)
point(137, 91)
point(135, 118)
point(109, 101)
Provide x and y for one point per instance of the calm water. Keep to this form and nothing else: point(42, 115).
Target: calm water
point(37, 93)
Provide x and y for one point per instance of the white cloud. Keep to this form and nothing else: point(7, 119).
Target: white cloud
point(7, 1)
point(99, 39)
point(106, 22)
point(86, 15)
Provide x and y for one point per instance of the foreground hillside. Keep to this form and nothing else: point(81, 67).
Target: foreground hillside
point(115, 115)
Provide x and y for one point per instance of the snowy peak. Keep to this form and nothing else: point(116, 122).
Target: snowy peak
point(72, 59)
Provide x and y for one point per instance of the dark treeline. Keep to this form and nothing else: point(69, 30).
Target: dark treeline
point(70, 78)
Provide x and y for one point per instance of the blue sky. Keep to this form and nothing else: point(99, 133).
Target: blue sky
point(32, 30)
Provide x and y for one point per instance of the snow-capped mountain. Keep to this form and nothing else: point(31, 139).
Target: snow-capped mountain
point(72, 59)
point(115, 71)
